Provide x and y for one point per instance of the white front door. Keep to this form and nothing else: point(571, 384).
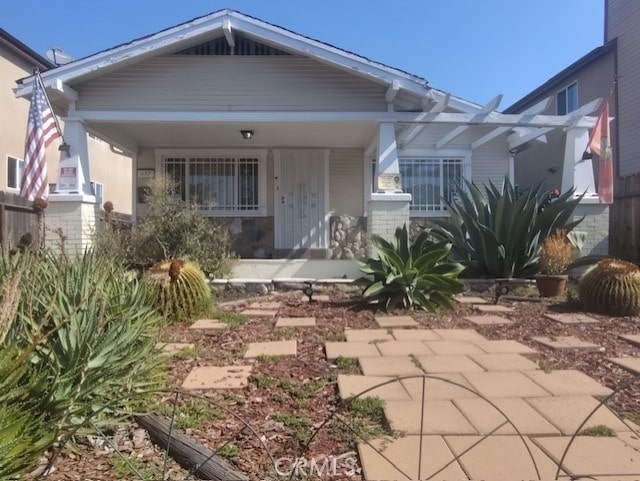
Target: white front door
point(301, 200)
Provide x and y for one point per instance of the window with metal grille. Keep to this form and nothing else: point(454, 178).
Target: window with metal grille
point(429, 180)
point(219, 184)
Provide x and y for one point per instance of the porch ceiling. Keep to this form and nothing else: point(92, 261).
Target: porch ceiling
point(227, 134)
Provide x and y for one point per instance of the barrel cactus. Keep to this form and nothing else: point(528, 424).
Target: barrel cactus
point(179, 289)
point(611, 287)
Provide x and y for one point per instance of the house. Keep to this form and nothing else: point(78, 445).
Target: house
point(590, 78)
point(110, 170)
point(303, 148)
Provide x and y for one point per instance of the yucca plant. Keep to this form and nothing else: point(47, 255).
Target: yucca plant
point(410, 275)
point(498, 232)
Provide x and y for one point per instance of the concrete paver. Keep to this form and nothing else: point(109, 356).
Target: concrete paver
point(388, 366)
point(215, 377)
point(503, 362)
point(506, 346)
point(266, 305)
point(571, 318)
point(353, 385)
point(501, 458)
point(488, 320)
point(411, 462)
point(208, 325)
point(438, 417)
point(492, 308)
point(568, 382)
point(632, 338)
point(396, 321)
point(459, 334)
point(335, 350)
point(504, 384)
point(593, 456)
point(367, 335)
point(453, 347)
point(568, 412)
point(439, 387)
point(271, 348)
point(403, 348)
point(296, 322)
point(629, 363)
point(565, 342)
point(470, 300)
point(448, 363)
point(485, 418)
point(259, 313)
point(415, 335)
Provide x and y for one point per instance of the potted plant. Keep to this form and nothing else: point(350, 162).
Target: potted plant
point(556, 254)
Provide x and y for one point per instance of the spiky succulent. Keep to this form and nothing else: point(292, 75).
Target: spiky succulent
point(179, 289)
point(611, 287)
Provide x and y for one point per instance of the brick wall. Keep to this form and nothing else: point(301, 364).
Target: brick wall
point(387, 212)
point(71, 223)
point(596, 225)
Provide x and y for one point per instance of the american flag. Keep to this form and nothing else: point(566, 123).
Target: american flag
point(600, 143)
point(42, 129)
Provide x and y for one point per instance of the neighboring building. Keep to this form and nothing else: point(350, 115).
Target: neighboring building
point(304, 149)
point(586, 80)
point(111, 171)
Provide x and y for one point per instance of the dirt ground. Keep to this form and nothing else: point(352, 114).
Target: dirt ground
point(290, 398)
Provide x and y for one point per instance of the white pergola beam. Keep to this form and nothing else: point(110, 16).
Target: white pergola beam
point(490, 107)
point(533, 110)
point(228, 33)
point(516, 139)
point(412, 132)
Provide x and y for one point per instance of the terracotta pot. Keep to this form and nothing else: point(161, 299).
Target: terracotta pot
point(551, 285)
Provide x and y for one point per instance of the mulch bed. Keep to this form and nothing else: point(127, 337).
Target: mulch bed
point(304, 387)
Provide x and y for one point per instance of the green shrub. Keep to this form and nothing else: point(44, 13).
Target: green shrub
point(75, 336)
point(179, 290)
point(410, 275)
point(497, 233)
point(169, 228)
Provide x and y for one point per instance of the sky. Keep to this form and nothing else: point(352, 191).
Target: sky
point(475, 49)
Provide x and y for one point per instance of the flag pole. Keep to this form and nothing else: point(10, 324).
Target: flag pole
point(64, 147)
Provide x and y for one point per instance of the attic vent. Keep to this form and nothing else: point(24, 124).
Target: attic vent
point(219, 46)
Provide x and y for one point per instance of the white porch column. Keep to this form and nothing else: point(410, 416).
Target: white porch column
point(578, 173)
point(70, 218)
point(387, 210)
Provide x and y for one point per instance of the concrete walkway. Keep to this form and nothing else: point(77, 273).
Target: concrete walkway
point(485, 411)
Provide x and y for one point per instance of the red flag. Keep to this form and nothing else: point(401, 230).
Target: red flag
point(600, 143)
point(41, 130)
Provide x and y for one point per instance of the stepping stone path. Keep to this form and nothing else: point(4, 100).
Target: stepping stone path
point(296, 322)
point(266, 305)
point(492, 308)
point(565, 342)
point(474, 381)
point(470, 300)
point(571, 318)
point(632, 338)
point(395, 321)
point(259, 313)
point(488, 320)
point(271, 348)
point(214, 377)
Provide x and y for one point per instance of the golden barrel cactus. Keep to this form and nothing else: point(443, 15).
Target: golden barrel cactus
point(611, 287)
point(179, 289)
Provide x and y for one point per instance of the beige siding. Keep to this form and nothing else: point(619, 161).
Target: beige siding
point(622, 23)
point(202, 83)
point(490, 162)
point(346, 181)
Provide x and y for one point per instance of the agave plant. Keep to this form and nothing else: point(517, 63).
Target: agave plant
point(498, 233)
point(410, 275)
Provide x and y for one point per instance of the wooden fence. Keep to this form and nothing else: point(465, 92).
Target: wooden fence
point(17, 217)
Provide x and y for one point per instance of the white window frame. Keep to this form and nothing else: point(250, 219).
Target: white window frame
point(434, 154)
point(18, 175)
point(98, 192)
point(566, 98)
point(260, 154)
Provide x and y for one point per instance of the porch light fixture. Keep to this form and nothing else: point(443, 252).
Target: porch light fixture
point(247, 134)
